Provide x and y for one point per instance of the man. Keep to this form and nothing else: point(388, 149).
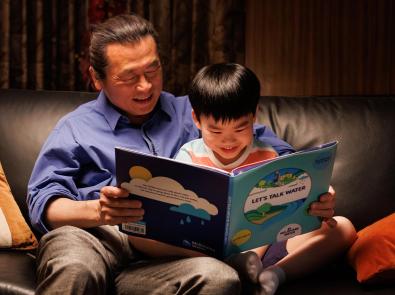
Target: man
point(72, 193)
point(72, 196)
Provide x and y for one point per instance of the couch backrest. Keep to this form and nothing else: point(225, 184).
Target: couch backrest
point(364, 172)
point(26, 119)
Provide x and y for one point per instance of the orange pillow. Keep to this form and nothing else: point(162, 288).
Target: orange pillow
point(14, 231)
point(373, 253)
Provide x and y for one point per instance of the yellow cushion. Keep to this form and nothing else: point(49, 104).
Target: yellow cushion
point(14, 231)
point(373, 253)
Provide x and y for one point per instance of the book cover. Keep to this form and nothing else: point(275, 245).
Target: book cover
point(220, 213)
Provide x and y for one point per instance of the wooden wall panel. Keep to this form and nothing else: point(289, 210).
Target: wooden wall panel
point(322, 47)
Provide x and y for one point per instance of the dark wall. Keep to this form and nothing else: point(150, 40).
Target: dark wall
point(44, 43)
point(322, 47)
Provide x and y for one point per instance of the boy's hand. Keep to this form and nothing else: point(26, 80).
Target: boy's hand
point(325, 207)
point(115, 207)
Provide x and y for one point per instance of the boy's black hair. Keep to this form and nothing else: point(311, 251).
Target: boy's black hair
point(224, 91)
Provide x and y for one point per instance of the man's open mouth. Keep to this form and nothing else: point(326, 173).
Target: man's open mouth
point(143, 100)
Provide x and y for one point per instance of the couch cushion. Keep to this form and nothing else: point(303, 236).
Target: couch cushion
point(14, 231)
point(17, 272)
point(373, 253)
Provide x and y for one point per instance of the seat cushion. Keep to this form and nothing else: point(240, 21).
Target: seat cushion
point(17, 272)
point(336, 278)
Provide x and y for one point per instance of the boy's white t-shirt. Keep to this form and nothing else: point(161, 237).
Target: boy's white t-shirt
point(196, 151)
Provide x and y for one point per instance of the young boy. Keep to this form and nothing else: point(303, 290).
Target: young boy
point(224, 98)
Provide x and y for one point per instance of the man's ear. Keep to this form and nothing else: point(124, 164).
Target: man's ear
point(195, 119)
point(96, 82)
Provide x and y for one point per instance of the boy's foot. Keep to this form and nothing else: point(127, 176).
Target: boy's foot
point(269, 280)
point(248, 264)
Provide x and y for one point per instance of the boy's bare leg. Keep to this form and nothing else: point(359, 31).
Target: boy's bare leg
point(307, 253)
point(312, 250)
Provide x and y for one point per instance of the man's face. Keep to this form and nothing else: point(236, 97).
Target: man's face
point(133, 80)
point(227, 139)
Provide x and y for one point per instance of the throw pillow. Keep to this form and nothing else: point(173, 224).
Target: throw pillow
point(14, 231)
point(373, 253)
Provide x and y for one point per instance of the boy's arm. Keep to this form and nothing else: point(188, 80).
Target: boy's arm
point(325, 207)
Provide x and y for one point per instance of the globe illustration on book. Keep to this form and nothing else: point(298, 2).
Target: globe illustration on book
point(276, 195)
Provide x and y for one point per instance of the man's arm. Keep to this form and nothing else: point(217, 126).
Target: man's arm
point(64, 211)
point(113, 207)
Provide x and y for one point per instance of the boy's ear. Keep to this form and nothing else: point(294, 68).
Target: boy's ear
point(96, 82)
point(195, 119)
point(256, 112)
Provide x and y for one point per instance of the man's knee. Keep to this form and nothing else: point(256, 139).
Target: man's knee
point(63, 241)
point(67, 261)
point(66, 232)
point(71, 276)
point(218, 275)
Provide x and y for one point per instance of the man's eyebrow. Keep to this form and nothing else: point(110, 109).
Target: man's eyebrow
point(154, 63)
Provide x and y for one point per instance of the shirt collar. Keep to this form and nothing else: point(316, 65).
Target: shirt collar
point(113, 116)
point(232, 165)
point(165, 104)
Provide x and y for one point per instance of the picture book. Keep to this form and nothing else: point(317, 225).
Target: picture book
point(220, 213)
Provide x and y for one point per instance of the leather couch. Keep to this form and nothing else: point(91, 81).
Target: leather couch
point(364, 174)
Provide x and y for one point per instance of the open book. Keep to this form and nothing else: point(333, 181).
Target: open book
point(220, 213)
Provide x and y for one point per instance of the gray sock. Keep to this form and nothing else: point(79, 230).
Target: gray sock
point(248, 264)
point(269, 279)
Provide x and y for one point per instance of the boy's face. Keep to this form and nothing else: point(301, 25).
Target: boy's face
point(227, 139)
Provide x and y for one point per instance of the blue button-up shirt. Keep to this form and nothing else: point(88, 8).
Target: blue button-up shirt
point(78, 158)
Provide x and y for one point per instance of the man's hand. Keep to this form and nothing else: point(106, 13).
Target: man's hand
point(115, 207)
point(325, 207)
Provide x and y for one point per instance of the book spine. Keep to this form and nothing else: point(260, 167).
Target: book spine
point(228, 214)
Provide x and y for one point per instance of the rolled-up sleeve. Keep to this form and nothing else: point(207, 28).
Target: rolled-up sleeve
point(53, 175)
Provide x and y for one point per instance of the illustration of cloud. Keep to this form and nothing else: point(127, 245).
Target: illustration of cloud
point(188, 209)
point(169, 191)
